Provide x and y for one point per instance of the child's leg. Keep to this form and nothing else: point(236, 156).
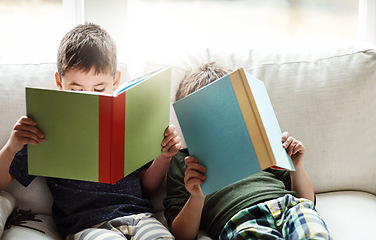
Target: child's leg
point(133, 227)
point(96, 233)
point(283, 218)
point(149, 228)
point(299, 219)
point(255, 222)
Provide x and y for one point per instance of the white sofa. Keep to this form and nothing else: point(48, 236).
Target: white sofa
point(326, 97)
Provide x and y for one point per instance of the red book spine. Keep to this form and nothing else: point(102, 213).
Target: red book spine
point(105, 121)
point(118, 138)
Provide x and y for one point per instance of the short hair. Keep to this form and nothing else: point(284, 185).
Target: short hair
point(199, 78)
point(86, 46)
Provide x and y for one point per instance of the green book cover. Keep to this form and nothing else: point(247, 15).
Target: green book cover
point(99, 137)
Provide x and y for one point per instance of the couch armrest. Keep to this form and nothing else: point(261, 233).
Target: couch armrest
point(7, 204)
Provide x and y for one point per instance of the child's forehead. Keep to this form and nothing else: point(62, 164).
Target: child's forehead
point(93, 70)
point(83, 75)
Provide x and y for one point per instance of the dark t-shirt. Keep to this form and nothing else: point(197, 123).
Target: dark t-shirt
point(80, 204)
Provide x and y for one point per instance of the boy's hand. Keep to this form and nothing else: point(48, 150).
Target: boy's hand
point(24, 132)
point(152, 177)
point(171, 143)
point(194, 176)
point(294, 148)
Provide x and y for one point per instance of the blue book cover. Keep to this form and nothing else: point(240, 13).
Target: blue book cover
point(216, 133)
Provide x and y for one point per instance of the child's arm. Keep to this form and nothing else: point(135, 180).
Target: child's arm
point(300, 181)
point(187, 222)
point(152, 177)
point(24, 132)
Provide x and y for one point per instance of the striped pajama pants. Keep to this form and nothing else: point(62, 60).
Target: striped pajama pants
point(142, 226)
point(283, 218)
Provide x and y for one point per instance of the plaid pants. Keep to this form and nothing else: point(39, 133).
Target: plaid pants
point(135, 227)
point(283, 218)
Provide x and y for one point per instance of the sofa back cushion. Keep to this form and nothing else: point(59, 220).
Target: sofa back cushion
point(329, 103)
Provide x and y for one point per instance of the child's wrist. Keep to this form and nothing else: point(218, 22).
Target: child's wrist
point(298, 169)
point(198, 199)
point(9, 149)
point(163, 158)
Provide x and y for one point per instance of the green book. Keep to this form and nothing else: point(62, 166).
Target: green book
point(231, 128)
point(99, 137)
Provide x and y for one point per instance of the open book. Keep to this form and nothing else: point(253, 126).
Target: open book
point(99, 137)
point(231, 128)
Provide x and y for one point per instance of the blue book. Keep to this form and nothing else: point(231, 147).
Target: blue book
point(231, 128)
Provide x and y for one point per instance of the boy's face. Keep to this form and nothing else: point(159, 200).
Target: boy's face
point(78, 80)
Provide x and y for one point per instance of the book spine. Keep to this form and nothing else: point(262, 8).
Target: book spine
point(118, 138)
point(252, 118)
point(105, 122)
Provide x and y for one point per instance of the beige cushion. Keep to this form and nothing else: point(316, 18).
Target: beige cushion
point(348, 214)
point(329, 104)
point(47, 226)
point(7, 204)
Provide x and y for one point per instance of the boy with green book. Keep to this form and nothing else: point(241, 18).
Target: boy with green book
point(87, 62)
point(271, 204)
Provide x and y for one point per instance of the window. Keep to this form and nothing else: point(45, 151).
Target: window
point(187, 23)
point(32, 29)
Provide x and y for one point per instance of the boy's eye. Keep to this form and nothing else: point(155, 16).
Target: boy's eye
point(99, 90)
point(76, 89)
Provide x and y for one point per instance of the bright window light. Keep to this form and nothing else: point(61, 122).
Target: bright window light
point(185, 23)
point(32, 29)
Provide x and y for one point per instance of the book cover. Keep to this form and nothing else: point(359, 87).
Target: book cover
point(99, 137)
point(231, 128)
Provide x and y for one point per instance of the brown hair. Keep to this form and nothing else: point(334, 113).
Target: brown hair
point(86, 46)
point(204, 75)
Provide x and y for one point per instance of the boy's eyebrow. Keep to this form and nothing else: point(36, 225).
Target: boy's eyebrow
point(99, 84)
point(77, 84)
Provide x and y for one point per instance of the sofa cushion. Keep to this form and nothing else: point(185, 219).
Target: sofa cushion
point(47, 226)
point(329, 104)
point(7, 204)
point(36, 197)
point(348, 214)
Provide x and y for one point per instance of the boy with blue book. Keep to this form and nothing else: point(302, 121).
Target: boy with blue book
point(271, 204)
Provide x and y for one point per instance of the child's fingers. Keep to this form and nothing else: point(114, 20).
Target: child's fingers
point(295, 147)
point(28, 136)
point(192, 174)
point(169, 129)
point(192, 164)
point(285, 136)
point(172, 145)
point(298, 147)
point(31, 141)
point(287, 142)
point(174, 149)
point(190, 159)
point(196, 167)
point(169, 137)
point(20, 127)
point(26, 120)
